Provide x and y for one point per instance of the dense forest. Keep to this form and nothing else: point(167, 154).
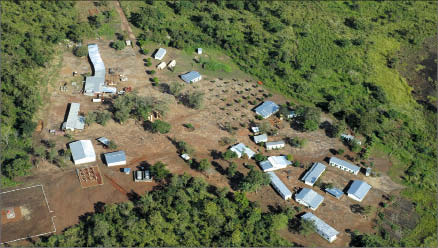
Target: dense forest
point(186, 212)
point(339, 56)
point(30, 30)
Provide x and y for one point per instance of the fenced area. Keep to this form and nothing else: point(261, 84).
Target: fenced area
point(25, 214)
point(89, 176)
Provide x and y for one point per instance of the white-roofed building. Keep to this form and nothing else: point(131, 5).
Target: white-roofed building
point(241, 149)
point(260, 138)
point(82, 152)
point(313, 173)
point(275, 145)
point(274, 163)
point(279, 186)
point(309, 198)
point(358, 190)
point(161, 66)
point(267, 109)
point(199, 50)
point(160, 54)
point(191, 77)
point(171, 64)
point(322, 228)
point(115, 158)
point(94, 84)
point(344, 165)
point(255, 130)
point(74, 121)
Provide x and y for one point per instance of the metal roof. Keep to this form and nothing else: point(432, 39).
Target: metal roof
point(114, 157)
point(275, 143)
point(82, 149)
point(255, 129)
point(73, 119)
point(320, 225)
point(188, 77)
point(267, 108)
point(261, 138)
point(103, 140)
point(107, 89)
point(279, 161)
point(240, 149)
point(279, 185)
point(310, 197)
point(344, 163)
point(127, 170)
point(95, 83)
point(160, 53)
point(266, 165)
point(313, 173)
point(335, 192)
point(359, 189)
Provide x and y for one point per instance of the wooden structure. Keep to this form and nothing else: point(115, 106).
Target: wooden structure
point(89, 176)
point(154, 116)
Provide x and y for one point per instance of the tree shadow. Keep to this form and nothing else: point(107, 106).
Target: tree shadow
point(215, 154)
point(99, 207)
point(235, 180)
point(218, 167)
point(133, 196)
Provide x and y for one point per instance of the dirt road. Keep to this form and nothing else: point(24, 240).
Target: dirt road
point(125, 23)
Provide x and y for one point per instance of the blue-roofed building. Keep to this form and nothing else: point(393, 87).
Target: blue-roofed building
point(344, 165)
point(260, 138)
point(127, 171)
point(279, 186)
point(313, 174)
point(291, 114)
point(160, 54)
point(191, 77)
point(309, 198)
point(267, 109)
point(94, 84)
point(322, 228)
point(335, 192)
point(104, 141)
point(115, 158)
point(358, 190)
point(241, 149)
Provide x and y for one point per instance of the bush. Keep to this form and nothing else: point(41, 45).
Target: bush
point(189, 126)
point(155, 80)
point(340, 151)
point(118, 45)
point(80, 51)
point(204, 165)
point(259, 117)
point(103, 117)
point(224, 141)
point(159, 171)
point(231, 170)
point(158, 126)
point(112, 145)
point(259, 157)
point(152, 72)
point(229, 155)
point(193, 100)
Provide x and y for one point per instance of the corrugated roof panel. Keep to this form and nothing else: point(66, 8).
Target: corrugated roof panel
point(279, 161)
point(279, 185)
point(114, 157)
point(343, 163)
point(359, 189)
point(310, 197)
point(267, 109)
point(261, 138)
point(275, 143)
point(314, 173)
point(188, 77)
point(82, 149)
point(335, 192)
point(320, 225)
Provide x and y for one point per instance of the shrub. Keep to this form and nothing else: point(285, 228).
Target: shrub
point(158, 126)
point(204, 165)
point(340, 151)
point(80, 51)
point(189, 126)
point(118, 45)
point(112, 145)
point(155, 80)
point(152, 72)
point(259, 157)
point(229, 155)
point(159, 171)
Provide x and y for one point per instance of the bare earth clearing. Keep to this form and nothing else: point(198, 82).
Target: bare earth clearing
point(221, 104)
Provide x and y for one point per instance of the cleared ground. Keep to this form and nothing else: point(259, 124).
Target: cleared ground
point(33, 216)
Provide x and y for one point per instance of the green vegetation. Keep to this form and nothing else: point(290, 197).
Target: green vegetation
point(159, 171)
point(29, 35)
point(192, 100)
point(228, 155)
point(212, 65)
point(203, 165)
point(199, 216)
point(260, 157)
point(297, 142)
point(112, 145)
point(99, 117)
point(118, 44)
point(80, 51)
point(254, 180)
point(189, 126)
point(182, 147)
point(158, 126)
point(140, 107)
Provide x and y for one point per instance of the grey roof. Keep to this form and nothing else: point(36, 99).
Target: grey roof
point(344, 163)
point(320, 225)
point(107, 89)
point(313, 173)
point(359, 189)
point(255, 129)
point(82, 149)
point(275, 143)
point(114, 157)
point(279, 185)
point(188, 77)
point(73, 119)
point(310, 197)
point(261, 138)
point(267, 109)
point(95, 83)
point(335, 192)
point(279, 161)
point(266, 165)
point(103, 140)
point(240, 149)
point(160, 53)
